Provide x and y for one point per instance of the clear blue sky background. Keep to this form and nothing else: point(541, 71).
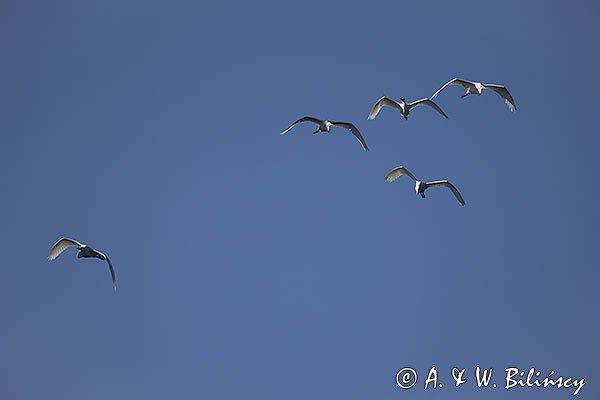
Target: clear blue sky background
point(256, 266)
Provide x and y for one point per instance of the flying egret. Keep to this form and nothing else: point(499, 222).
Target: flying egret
point(421, 187)
point(403, 106)
point(325, 127)
point(84, 251)
point(478, 87)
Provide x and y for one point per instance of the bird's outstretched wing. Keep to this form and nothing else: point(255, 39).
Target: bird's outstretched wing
point(112, 274)
point(466, 84)
point(61, 245)
point(449, 186)
point(303, 119)
point(354, 131)
point(503, 91)
point(384, 101)
point(103, 256)
point(430, 103)
point(397, 173)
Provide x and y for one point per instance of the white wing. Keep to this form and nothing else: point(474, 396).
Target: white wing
point(354, 131)
point(503, 91)
point(384, 101)
point(112, 273)
point(397, 173)
point(427, 102)
point(113, 276)
point(102, 256)
point(449, 186)
point(61, 245)
point(456, 81)
point(307, 118)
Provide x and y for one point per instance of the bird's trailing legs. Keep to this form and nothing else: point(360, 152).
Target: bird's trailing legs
point(423, 195)
point(466, 94)
point(315, 132)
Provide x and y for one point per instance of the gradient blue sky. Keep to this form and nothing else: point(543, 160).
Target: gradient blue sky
point(256, 266)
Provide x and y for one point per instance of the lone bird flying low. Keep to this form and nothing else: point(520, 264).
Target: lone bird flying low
point(84, 251)
point(421, 187)
point(478, 87)
point(325, 127)
point(403, 106)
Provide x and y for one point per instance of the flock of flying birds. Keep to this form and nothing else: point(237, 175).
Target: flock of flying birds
point(405, 108)
point(85, 251)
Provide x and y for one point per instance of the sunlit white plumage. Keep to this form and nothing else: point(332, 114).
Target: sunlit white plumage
point(84, 251)
point(403, 106)
point(421, 187)
point(325, 126)
point(478, 87)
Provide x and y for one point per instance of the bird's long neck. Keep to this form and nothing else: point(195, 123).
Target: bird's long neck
point(405, 107)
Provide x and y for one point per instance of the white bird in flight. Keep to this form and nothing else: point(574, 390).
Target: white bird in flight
point(325, 126)
point(84, 251)
point(403, 106)
point(478, 87)
point(421, 187)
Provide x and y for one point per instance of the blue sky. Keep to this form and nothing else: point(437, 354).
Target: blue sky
point(251, 265)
